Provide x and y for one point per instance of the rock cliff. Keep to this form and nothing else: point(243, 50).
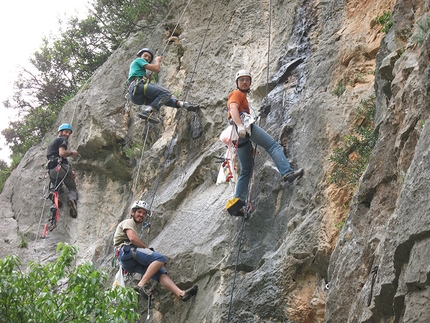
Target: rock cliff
point(311, 251)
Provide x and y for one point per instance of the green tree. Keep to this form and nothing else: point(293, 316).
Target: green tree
point(4, 173)
point(351, 158)
point(61, 292)
point(65, 62)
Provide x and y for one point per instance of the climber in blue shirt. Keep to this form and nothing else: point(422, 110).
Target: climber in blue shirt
point(151, 96)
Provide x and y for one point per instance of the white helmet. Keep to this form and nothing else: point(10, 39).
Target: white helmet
point(243, 73)
point(141, 205)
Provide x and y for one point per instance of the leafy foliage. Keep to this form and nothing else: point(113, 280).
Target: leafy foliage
point(340, 89)
point(421, 29)
point(59, 292)
point(385, 20)
point(351, 159)
point(4, 173)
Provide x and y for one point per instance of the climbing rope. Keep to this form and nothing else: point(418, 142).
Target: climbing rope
point(174, 29)
point(235, 269)
point(249, 207)
point(141, 156)
point(167, 153)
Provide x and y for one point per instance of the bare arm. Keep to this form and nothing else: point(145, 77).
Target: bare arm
point(154, 67)
point(134, 239)
point(63, 152)
point(234, 112)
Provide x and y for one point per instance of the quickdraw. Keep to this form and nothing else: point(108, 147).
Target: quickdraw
point(227, 170)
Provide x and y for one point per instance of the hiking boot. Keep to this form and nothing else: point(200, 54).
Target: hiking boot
point(189, 293)
point(290, 177)
point(73, 208)
point(191, 106)
point(148, 114)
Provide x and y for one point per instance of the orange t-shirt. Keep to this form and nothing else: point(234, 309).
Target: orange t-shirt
point(238, 97)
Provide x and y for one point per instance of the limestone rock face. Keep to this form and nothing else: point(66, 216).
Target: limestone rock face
point(293, 264)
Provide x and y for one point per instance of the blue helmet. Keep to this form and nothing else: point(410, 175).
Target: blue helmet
point(65, 126)
point(139, 53)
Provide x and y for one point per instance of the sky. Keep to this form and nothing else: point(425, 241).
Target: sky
point(22, 26)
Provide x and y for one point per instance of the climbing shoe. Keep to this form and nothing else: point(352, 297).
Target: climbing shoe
point(235, 207)
point(290, 177)
point(191, 106)
point(189, 293)
point(73, 208)
point(148, 114)
point(145, 289)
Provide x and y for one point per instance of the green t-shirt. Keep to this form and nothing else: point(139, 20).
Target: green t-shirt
point(137, 68)
point(120, 237)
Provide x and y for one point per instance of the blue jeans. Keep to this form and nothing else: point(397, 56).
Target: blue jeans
point(155, 96)
point(144, 257)
point(244, 153)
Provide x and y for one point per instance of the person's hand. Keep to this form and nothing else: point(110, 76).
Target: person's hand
point(74, 153)
point(158, 59)
point(241, 131)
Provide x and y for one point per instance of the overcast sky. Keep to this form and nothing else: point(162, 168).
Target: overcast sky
point(22, 26)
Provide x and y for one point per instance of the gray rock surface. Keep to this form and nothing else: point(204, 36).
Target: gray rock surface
point(293, 264)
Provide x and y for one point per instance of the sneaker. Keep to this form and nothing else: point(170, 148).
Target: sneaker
point(290, 177)
point(189, 293)
point(73, 208)
point(191, 106)
point(148, 114)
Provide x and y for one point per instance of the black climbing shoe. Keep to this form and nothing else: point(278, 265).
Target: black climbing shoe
point(235, 206)
point(73, 208)
point(189, 293)
point(294, 175)
point(191, 106)
point(148, 114)
point(241, 212)
point(143, 290)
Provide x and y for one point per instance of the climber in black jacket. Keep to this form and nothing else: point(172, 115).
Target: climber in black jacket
point(59, 169)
